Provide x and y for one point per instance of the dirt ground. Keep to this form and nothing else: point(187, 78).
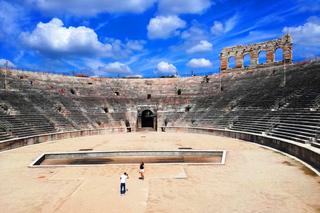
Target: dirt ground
point(253, 179)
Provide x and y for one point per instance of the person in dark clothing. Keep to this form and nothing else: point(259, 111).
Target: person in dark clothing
point(142, 170)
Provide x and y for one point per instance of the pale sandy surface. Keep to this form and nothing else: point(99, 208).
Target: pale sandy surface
point(254, 179)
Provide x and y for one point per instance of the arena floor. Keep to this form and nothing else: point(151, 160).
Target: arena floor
point(253, 179)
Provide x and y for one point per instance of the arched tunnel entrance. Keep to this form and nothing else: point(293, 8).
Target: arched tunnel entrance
point(147, 119)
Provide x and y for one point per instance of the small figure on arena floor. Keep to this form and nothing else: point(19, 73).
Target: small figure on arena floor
point(142, 171)
point(123, 183)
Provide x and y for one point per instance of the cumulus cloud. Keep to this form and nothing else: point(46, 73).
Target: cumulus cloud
point(10, 64)
point(162, 27)
point(115, 68)
point(191, 37)
point(307, 34)
point(183, 7)
point(200, 63)
point(203, 46)
point(54, 40)
point(165, 68)
point(92, 7)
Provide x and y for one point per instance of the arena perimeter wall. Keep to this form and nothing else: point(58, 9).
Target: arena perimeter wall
point(36, 139)
point(301, 151)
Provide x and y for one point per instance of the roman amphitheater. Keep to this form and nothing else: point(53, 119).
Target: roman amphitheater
point(244, 140)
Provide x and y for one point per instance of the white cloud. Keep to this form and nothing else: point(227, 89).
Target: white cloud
point(54, 40)
point(200, 63)
point(19, 56)
point(306, 35)
point(191, 36)
point(310, 7)
point(195, 32)
point(217, 28)
point(115, 68)
point(162, 27)
point(135, 45)
point(11, 17)
point(230, 23)
point(10, 64)
point(203, 46)
point(92, 7)
point(165, 68)
point(169, 7)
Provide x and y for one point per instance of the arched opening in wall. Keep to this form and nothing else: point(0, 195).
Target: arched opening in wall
point(147, 119)
point(246, 60)
point(262, 57)
point(232, 62)
point(278, 56)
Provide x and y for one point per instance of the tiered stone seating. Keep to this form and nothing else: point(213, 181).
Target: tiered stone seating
point(248, 101)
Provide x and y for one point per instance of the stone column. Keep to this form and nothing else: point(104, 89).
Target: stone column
point(270, 56)
point(224, 63)
point(139, 122)
point(254, 58)
point(287, 48)
point(287, 54)
point(155, 122)
point(239, 60)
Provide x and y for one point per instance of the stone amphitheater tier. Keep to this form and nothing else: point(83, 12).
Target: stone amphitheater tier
point(273, 101)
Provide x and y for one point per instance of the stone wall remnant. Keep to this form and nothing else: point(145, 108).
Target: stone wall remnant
point(253, 50)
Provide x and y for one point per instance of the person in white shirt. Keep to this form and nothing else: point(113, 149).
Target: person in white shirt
point(123, 183)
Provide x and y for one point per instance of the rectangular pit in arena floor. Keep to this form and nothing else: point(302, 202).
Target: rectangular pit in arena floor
point(130, 157)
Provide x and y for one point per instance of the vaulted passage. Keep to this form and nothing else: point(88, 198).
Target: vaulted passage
point(147, 119)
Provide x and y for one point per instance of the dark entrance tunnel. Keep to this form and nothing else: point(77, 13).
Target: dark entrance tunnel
point(147, 119)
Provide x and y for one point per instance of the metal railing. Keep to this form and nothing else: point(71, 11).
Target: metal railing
point(6, 126)
point(279, 103)
point(232, 121)
point(272, 123)
point(308, 58)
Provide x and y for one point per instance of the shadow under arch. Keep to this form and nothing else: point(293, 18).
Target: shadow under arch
point(147, 118)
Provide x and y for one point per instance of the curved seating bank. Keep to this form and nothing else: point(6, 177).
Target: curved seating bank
point(268, 105)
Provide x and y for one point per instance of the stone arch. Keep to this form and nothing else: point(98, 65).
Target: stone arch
point(279, 54)
point(147, 119)
point(246, 60)
point(262, 57)
point(231, 62)
point(147, 116)
point(254, 49)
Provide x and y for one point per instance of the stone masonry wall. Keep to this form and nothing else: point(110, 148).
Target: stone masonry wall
point(254, 50)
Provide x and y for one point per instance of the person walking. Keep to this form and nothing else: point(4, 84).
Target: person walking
point(123, 183)
point(142, 170)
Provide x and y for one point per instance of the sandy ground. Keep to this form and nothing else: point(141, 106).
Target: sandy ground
point(253, 179)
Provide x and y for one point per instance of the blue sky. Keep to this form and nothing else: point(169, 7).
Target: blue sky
point(148, 38)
